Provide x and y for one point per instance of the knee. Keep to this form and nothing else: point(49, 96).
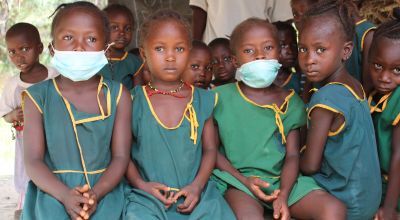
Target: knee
point(334, 209)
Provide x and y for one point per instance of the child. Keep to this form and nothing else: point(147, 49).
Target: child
point(287, 77)
point(299, 8)
point(384, 66)
point(24, 47)
point(174, 149)
point(77, 125)
point(123, 66)
point(223, 67)
point(259, 125)
point(341, 148)
point(198, 70)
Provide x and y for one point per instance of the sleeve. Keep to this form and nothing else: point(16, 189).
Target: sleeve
point(137, 64)
point(394, 107)
point(36, 94)
point(280, 11)
point(295, 114)
point(199, 3)
point(7, 104)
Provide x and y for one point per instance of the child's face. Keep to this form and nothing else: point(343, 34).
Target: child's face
point(121, 30)
point(384, 65)
point(166, 50)
point(23, 53)
point(322, 48)
point(299, 8)
point(255, 44)
point(198, 70)
point(79, 30)
point(222, 64)
point(288, 44)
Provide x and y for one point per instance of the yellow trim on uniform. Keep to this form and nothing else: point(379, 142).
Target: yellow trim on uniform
point(74, 123)
point(78, 171)
point(330, 133)
point(216, 100)
point(191, 117)
point(119, 93)
point(173, 189)
point(287, 80)
point(119, 59)
point(33, 100)
point(383, 100)
point(277, 109)
point(350, 89)
point(396, 120)
point(313, 90)
point(138, 70)
point(364, 35)
point(362, 21)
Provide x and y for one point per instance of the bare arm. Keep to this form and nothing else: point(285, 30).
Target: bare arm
point(120, 147)
point(366, 78)
point(198, 22)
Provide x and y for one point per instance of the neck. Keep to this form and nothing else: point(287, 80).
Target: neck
point(65, 83)
point(116, 53)
point(337, 76)
point(165, 85)
point(36, 74)
point(249, 90)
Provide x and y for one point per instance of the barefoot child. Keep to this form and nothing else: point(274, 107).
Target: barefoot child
point(24, 47)
point(174, 149)
point(384, 65)
point(122, 66)
point(341, 150)
point(258, 125)
point(77, 130)
point(223, 67)
point(198, 70)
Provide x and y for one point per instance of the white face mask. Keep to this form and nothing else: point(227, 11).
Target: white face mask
point(78, 65)
point(259, 73)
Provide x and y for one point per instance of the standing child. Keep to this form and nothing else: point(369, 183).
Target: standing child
point(384, 65)
point(122, 66)
point(259, 125)
point(77, 131)
point(24, 47)
point(174, 149)
point(288, 77)
point(341, 149)
point(224, 69)
point(198, 70)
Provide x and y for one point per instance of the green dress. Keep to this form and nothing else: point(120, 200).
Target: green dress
point(354, 63)
point(253, 140)
point(122, 70)
point(77, 150)
point(172, 156)
point(385, 114)
point(350, 167)
point(293, 82)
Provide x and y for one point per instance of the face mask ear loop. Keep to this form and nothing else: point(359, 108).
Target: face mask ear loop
point(109, 45)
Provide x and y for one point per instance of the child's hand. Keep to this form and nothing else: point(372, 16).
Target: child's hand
point(192, 197)
point(160, 191)
point(386, 214)
point(254, 184)
point(15, 115)
point(72, 201)
point(281, 209)
point(90, 207)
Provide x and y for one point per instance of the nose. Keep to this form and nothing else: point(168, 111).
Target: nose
point(309, 58)
point(170, 55)
point(384, 76)
point(260, 55)
point(79, 45)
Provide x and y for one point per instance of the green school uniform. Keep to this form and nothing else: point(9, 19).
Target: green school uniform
point(350, 167)
point(122, 70)
point(293, 82)
point(385, 114)
point(354, 63)
point(253, 140)
point(172, 156)
point(78, 150)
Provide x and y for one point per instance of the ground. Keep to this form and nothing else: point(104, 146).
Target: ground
point(8, 198)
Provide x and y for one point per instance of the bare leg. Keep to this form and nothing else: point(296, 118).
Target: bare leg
point(318, 204)
point(243, 205)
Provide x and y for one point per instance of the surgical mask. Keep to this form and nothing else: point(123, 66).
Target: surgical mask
point(78, 65)
point(259, 74)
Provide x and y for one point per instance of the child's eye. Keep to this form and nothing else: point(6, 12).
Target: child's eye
point(92, 39)
point(227, 59)
point(302, 50)
point(194, 66)
point(320, 50)
point(209, 68)
point(267, 48)
point(180, 49)
point(396, 71)
point(159, 49)
point(11, 53)
point(378, 66)
point(67, 37)
point(128, 29)
point(284, 46)
point(114, 27)
point(214, 62)
point(248, 51)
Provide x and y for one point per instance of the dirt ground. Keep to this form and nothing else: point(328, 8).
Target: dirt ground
point(8, 198)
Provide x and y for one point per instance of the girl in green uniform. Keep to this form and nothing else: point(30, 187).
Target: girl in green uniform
point(384, 65)
point(258, 124)
point(77, 126)
point(341, 149)
point(174, 148)
point(122, 66)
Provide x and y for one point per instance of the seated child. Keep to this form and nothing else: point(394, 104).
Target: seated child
point(24, 47)
point(174, 148)
point(198, 70)
point(77, 132)
point(288, 77)
point(123, 66)
point(224, 69)
point(384, 66)
point(341, 152)
point(258, 125)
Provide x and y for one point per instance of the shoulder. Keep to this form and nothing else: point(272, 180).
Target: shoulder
point(133, 58)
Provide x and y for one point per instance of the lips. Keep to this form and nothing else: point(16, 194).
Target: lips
point(170, 70)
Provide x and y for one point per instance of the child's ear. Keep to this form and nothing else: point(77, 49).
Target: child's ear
point(142, 55)
point(50, 49)
point(40, 47)
point(347, 50)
